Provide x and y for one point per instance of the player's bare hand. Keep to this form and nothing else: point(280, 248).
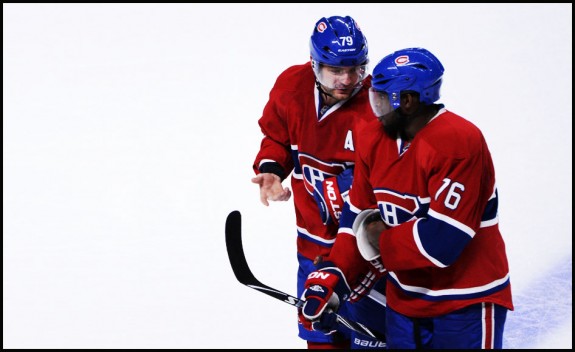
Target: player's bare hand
point(271, 188)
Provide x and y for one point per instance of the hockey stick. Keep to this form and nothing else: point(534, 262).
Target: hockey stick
point(245, 276)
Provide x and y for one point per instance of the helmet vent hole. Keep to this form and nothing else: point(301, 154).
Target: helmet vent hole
point(420, 66)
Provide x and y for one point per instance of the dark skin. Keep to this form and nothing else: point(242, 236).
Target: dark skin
point(405, 122)
point(411, 117)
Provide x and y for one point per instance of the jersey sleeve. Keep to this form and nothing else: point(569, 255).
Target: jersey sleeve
point(275, 145)
point(275, 124)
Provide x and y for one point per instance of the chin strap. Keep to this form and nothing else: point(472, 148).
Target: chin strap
point(320, 88)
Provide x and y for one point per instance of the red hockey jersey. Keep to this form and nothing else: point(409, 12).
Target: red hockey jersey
point(443, 249)
point(312, 148)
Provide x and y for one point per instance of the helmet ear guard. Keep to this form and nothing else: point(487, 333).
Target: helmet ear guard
point(431, 94)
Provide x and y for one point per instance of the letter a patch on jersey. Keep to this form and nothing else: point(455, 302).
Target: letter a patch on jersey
point(349, 142)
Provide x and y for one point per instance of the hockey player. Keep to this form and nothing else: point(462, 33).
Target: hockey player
point(308, 124)
point(423, 203)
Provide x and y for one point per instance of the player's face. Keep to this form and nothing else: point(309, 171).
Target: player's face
point(379, 102)
point(384, 111)
point(340, 81)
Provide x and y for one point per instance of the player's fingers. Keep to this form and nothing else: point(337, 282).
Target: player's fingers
point(283, 196)
point(264, 198)
point(286, 194)
point(258, 180)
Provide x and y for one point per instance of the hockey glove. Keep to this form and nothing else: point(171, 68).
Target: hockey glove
point(330, 194)
point(324, 291)
point(367, 228)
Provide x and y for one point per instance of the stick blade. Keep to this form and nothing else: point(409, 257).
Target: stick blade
point(235, 249)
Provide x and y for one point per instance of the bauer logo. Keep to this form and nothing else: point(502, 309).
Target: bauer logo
point(321, 27)
point(401, 60)
point(368, 343)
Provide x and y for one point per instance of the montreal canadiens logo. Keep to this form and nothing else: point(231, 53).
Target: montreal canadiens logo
point(398, 208)
point(401, 60)
point(315, 170)
point(321, 27)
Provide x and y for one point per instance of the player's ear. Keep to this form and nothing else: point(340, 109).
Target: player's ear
point(409, 101)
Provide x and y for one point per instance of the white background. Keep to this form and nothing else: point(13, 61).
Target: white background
point(128, 136)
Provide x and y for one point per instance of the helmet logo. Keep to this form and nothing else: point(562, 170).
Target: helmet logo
point(401, 60)
point(321, 27)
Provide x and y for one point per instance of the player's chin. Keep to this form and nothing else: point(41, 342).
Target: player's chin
point(342, 93)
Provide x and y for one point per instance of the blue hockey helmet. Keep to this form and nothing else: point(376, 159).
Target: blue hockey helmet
point(407, 70)
point(338, 41)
